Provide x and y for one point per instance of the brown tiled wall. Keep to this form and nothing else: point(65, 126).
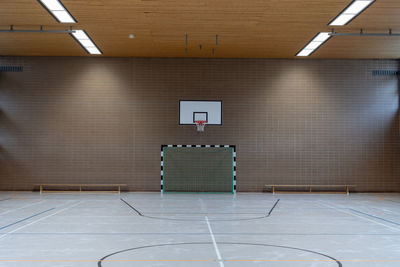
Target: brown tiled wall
point(102, 120)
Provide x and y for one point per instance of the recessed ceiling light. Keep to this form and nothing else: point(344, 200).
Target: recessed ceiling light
point(58, 11)
point(93, 51)
point(85, 41)
point(341, 20)
point(304, 53)
point(322, 37)
point(313, 45)
point(79, 34)
point(53, 4)
point(358, 6)
point(350, 12)
point(131, 36)
point(63, 16)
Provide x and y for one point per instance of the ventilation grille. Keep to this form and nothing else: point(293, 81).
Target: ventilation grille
point(11, 69)
point(385, 72)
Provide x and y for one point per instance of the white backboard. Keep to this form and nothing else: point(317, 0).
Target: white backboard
point(191, 110)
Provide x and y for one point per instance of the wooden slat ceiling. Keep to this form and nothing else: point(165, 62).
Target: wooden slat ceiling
point(246, 29)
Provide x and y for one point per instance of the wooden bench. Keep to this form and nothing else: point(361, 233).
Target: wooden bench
point(46, 188)
point(309, 188)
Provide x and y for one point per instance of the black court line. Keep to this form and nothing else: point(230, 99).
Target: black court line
point(198, 220)
point(132, 207)
point(27, 218)
point(272, 209)
point(99, 263)
point(6, 199)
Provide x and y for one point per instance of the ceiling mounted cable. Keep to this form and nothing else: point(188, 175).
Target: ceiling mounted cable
point(40, 30)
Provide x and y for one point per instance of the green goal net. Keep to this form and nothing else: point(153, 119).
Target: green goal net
point(198, 169)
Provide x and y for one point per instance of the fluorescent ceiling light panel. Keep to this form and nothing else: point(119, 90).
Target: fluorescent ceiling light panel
point(85, 41)
point(63, 16)
point(79, 34)
point(56, 8)
point(313, 45)
point(304, 53)
point(93, 51)
point(322, 37)
point(52, 4)
point(342, 20)
point(350, 12)
point(358, 6)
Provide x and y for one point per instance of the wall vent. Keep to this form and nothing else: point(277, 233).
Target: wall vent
point(385, 72)
point(11, 69)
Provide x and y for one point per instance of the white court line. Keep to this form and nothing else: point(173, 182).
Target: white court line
point(41, 219)
point(20, 208)
point(221, 263)
point(359, 216)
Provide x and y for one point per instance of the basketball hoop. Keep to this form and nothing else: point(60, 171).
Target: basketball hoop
point(200, 125)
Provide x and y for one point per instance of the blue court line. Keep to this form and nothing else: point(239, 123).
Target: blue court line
point(6, 199)
point(14, 223)
point(376, 217)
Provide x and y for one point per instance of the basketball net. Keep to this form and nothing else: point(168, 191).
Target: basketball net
point(200, 125)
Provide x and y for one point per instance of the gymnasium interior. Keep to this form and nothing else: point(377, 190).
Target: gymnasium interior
point(199, 133)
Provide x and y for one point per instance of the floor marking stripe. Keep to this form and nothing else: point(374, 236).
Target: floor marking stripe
point(356, 215)
point(221, 263)
point(132, 207)
point(20, 208)
point(376, 217)
point(103, 260)
point(99, 263)
point(41, 219)
point(25, 219)
point(215, 234)
point(205, 213)
point(193, 219)
point(273, 207)
point(247, 260)
point(315, 260)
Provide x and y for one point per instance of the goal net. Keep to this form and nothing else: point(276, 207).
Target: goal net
point(198, 169)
